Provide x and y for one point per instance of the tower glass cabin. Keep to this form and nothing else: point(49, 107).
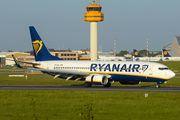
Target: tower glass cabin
point(93, 13)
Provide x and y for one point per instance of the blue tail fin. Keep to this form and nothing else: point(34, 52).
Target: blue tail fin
point(165, 53)
point(136, 54)
point(41, 53)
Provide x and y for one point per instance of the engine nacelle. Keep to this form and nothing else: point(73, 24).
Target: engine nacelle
point(97, 79)
point(130, 82)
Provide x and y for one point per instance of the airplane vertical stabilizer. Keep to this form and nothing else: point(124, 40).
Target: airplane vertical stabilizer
point(165, 53)
point(136, 54)
point(41, 53)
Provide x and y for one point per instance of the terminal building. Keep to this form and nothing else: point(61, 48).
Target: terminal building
point(174, 48)
point(64, 54)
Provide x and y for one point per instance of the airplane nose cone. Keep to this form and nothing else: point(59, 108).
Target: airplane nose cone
point(171, 74)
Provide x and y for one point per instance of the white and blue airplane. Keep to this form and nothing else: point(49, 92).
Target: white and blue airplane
point(167, 57)
point(138, 57)
point(96, 72)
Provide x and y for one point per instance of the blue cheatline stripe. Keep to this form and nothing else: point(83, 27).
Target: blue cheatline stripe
point(96, 83)
point(135, 78)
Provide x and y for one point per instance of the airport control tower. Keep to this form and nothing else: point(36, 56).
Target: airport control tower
point(93, 16)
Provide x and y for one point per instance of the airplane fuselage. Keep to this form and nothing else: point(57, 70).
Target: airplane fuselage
point(171, 58)
point(119, 71)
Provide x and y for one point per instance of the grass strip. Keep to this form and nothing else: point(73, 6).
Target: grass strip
point(66, 105)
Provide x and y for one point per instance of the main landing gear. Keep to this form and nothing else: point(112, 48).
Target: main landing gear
point(158, 85)
point(87, 85)
point(90, 85)
point(108, 84)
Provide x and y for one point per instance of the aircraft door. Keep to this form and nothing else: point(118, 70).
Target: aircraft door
point(150, 70)
point(48, 65)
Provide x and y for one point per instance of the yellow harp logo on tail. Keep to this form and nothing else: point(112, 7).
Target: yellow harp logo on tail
point(37, 46)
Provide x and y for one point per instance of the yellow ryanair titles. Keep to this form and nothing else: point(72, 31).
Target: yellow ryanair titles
point(93, 13)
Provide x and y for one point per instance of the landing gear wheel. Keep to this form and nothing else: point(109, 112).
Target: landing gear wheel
point(108, 85)
point(158, 86)
point(87, 85)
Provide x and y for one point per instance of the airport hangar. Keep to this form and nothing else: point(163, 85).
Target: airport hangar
point(174, 48)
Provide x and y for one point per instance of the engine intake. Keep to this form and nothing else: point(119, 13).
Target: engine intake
point(97, 79)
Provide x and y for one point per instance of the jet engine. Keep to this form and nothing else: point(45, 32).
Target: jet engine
point(97, 79)
point(130, 82)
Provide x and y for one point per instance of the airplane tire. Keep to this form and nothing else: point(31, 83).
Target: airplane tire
point(108, 85)
point(87, 85)
point(158, 86)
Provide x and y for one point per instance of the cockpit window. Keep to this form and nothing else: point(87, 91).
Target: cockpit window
point(163, 68)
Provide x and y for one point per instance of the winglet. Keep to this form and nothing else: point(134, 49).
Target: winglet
point(16, 62)
point(165, 53)
point(136, 54)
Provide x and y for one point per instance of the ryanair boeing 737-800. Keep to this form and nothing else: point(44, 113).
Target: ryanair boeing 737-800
point(96, 72)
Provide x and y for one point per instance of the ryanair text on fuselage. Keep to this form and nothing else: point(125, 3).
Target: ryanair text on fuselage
point(118, 67)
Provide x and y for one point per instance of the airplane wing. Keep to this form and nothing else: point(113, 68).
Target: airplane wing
point(18, 65)
point(55, 73)
point(75, 72)
point(69, 74)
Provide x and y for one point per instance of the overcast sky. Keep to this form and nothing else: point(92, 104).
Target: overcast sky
point(61, 23)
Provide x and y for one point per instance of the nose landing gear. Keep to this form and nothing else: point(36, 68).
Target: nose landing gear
point(158, 85)
point(160, 82)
